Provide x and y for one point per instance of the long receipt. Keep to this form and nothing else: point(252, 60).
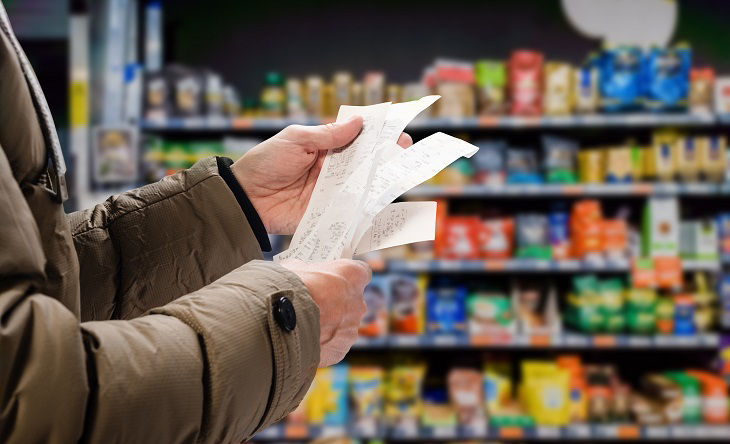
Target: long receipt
point(351, 210)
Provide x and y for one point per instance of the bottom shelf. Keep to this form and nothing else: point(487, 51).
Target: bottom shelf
point(573, 432)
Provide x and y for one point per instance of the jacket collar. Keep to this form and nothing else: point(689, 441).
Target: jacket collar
point(58, 173)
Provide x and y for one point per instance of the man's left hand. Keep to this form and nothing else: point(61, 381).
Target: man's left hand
point(279, 174)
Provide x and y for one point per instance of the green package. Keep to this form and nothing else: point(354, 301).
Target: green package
point(691, 396)
point(585, 284)
point(611, 293)
point(641, 321)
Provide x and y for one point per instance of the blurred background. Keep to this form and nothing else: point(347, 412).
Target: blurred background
point(577, 287)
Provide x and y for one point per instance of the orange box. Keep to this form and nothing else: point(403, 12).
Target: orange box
point(668, 272)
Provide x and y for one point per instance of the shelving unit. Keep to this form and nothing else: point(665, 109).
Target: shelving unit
point(576, 190)
point(450, 124)
point(704, 343)
point(609, 432)
point(540, 341)
point(529, 266)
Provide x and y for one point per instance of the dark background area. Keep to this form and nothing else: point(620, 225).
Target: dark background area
point(243, 40)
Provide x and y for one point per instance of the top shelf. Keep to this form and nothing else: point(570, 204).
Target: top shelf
point(467, 123)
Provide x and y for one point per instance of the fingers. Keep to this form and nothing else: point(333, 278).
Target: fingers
point(358, 273)
point(405, 140)
point(333, 135)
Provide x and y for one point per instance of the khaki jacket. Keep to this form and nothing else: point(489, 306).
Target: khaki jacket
point(144, 319)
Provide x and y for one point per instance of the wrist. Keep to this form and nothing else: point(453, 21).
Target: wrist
point(228, 174)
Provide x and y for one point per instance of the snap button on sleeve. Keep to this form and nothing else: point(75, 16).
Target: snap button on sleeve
point(284, 313)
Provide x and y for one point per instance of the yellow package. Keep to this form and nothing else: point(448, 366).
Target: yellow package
point(662, 161)
point(546, 392)
point(366, 393)
point(329, 107)
point(557, 95)
point(638, 160)
point(314, 96)
point(342, 82)
point(590, 166)
point(327, 402)
point(497, 386)
point(322, 398)
point(711, 153)
point(688, 159)
point(619, 165)
point(403, 393)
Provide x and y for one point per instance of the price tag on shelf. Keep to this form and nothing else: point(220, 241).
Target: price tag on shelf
point(539, 340)
point(476, 430)
point(511, 432)
point(452, 265)
point(406, 340)
point(628, 432)
point(242, 123)
point(638, 341)
point(296, 431)
point(366, 429)
point(445, 340)
point(488, 121)
point(333, 431)
point(453, 190)
point(546, 432)
point(604, 341)
point(571, 190)
point(495, 265)
point(581, 431)
point(271, 432)
point(681, 431)
point(576, 340)
point(657, 432)
point(408, 429)
point(443, 432)
point(710, 339)
point(606, 431)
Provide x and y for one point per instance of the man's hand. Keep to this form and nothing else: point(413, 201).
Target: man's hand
point(279, 174)
point(337, 289)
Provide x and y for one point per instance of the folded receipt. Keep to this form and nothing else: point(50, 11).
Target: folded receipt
point(351, 210)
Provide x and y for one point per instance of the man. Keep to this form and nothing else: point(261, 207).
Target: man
point(149, 318)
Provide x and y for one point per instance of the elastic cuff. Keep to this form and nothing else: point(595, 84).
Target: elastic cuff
point(257, 226)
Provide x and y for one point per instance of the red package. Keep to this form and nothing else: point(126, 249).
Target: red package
point(525, 82)
point(461, 238)
point(586, 225)
point(668, 271)
point(615, 236)
point(496, 238)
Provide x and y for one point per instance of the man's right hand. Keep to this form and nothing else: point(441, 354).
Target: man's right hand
point(337, 289)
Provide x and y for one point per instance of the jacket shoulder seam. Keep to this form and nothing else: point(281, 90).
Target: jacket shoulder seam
point(116, 217)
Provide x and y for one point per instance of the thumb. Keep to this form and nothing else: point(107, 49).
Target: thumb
point(335, 135)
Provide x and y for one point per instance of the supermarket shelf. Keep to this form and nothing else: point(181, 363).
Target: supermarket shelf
point(529, 265)
point(559, 341)
point(466, 123)
point(574, 432)
point(539, 190)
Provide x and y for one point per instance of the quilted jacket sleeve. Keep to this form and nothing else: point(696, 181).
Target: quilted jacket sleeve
point(211, 366)
point(149, 246)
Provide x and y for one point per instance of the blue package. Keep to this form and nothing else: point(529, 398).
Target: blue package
point(340, 415)
point(724, 291)
point(522, 166)
point(446, 308)
point(620, 78)
point(665, 78)
point(723, 231)
point(559, 230)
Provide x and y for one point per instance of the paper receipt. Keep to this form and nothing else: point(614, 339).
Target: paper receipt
point(350, 211)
